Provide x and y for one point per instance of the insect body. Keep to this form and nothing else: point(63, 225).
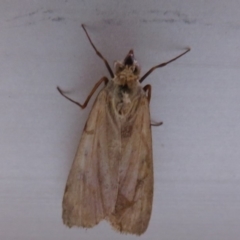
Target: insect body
point(111, 176)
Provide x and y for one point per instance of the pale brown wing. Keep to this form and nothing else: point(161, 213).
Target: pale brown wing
point(135, 191)
point(92, 184)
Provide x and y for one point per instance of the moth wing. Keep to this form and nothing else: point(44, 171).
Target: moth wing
point(135, 191)
point(92, 184)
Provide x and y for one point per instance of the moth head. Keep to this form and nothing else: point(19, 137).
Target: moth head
point(128, 68)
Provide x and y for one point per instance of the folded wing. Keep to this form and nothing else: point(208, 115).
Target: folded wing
point(92, 184)
point(135, 191)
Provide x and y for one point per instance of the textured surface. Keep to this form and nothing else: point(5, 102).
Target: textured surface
point(196, 151)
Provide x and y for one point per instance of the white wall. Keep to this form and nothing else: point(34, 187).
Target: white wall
point(196, 151)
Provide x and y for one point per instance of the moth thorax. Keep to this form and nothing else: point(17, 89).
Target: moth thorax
point(126, 77)
point(124, 105)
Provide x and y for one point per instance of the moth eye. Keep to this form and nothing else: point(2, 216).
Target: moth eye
point(118, 67)
point(136, 70)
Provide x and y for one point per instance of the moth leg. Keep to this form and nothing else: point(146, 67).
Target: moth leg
point(162, 65)
point(98, 53)
point(148, 88)
point(104, 79)
point(156, 124)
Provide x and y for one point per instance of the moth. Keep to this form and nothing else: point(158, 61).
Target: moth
point(111, 176)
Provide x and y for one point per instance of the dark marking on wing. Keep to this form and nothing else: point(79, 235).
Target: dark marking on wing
point(124, 89)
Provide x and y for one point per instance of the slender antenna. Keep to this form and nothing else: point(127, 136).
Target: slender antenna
point(162, 65)
point(98, 53)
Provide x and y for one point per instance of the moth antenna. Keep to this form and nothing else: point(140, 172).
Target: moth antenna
point(98, 53)
point(162, 65)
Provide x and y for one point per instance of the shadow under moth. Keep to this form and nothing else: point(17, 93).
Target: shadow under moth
point(111, 176)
